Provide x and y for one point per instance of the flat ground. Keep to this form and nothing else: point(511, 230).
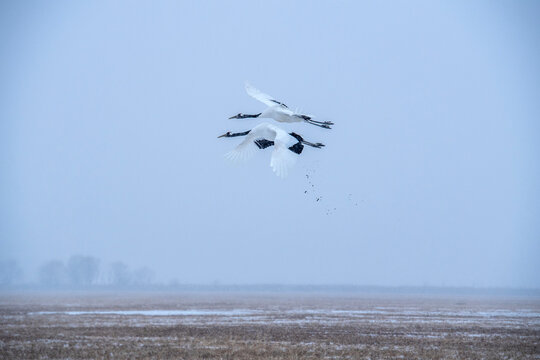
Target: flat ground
point(267, 326)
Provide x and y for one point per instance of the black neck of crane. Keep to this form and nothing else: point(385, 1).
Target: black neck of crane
point(239, 134)
point(245, 116)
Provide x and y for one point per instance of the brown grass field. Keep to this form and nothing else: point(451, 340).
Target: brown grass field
point(267, 326)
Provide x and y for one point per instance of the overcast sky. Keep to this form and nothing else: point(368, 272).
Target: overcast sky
point(110, 112)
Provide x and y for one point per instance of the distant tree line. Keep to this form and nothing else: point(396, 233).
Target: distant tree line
point(10, 273)
point(86, 271)
point(78, 272)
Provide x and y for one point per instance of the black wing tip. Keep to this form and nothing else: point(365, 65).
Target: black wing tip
point(263, 143)
point(296, 136)
point(297, 148)
point(279, 103)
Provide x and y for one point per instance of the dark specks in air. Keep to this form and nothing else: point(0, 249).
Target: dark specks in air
point(348, 200)
point(309, 177)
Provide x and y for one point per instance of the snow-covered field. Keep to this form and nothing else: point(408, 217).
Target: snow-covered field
point(247, 326)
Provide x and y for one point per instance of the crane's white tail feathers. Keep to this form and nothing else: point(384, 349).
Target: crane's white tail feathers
point(242, 152)
point(282, 160)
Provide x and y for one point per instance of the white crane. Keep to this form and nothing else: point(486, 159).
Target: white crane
point(277, 110)
point(286, 146)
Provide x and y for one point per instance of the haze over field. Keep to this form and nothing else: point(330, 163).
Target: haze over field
point(109, 113)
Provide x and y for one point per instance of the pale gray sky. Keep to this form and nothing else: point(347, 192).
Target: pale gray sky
point(110, 112)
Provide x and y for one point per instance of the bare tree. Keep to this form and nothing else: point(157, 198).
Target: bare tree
point(53, 273)
point(143, 276)
point(10, 273)
point(119, 274)
point(83, 270)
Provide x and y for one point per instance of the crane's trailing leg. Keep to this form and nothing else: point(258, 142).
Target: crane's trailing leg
point(310, 120)
point(324, 126)
point(322, 122)
point(301, 140)
point(316, 145)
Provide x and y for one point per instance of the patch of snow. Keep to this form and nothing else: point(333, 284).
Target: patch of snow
point(233, 312)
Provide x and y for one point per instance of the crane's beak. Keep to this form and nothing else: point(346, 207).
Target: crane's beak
point(224, 135)
point(234, 117)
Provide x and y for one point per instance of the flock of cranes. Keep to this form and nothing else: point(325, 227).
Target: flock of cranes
point(287, 146)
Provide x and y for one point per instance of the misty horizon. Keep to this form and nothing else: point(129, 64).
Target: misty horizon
point(55, 275)
point(110, 114)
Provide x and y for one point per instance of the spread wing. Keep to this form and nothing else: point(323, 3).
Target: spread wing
point(262, 97)
point(244, 151)
point(283, 159)
point(257, 138)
